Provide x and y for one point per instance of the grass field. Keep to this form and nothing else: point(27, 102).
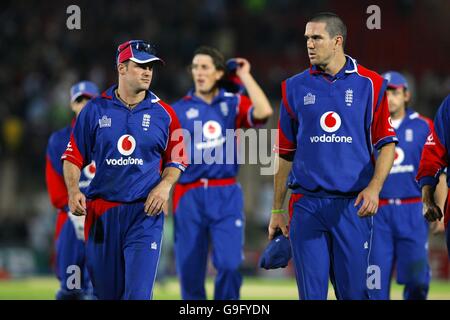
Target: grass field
point(44, 288)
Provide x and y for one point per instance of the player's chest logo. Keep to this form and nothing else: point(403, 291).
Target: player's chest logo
point(192, 113)
point(224, 108)
point(309, 99)
point(409, 135)
point(348, 97)
point(104, 122)
point(146, 121)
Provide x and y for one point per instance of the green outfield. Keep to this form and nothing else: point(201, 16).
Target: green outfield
point(44, 288)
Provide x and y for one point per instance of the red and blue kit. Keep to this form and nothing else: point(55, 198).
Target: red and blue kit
point(130, 147)
point(207, 202)
point(400, 231)
point(330, 128)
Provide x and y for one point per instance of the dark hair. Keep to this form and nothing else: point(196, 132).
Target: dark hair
point(216, 56)
point(334, 25)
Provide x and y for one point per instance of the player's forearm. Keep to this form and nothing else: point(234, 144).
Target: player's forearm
point(71, 177)
point(440, 194)
point(282, 167)
point(170, 176)
point(383, 166)
point(263, 109)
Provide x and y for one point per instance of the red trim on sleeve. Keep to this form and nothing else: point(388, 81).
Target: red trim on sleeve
point(243, 116)
point(72, 154)
point(285, 100)
point(283, 145)
point(55, 186)
point(434, 157)
point(176, 150)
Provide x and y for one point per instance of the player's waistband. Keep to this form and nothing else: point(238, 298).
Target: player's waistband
point(205, 183)
point(398, 202)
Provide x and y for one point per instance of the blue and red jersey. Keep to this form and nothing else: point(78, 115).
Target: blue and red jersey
point(212, 153)
point(56, 187)
point(130, 147)
point(436, 150)
point(412, 135)
point(330, 126)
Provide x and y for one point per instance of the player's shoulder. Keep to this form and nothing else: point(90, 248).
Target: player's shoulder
point(60, 134)
point(419, 119)
point(368, 73)
point(167, 108)
point(298, 78)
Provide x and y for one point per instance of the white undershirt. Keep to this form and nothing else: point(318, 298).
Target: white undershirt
point(396, 123)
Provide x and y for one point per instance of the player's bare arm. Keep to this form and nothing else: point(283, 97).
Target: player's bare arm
point(262, 106)
point(440, 196)
point(77, 200)
point(159, 196)
point(370, 195)
point(431, 210)
point(279, 220)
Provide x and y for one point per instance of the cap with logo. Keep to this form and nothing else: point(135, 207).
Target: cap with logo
point(138, 51)
point(277, 253)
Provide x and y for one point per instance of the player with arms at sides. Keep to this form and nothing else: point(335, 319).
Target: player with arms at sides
point(69, 231)
point(207, 201)
point(333, 117)
point(130, 133)
point(434, 161)
point(400, 231)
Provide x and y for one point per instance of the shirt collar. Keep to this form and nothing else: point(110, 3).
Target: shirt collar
point(149, 99)
point(350, 66)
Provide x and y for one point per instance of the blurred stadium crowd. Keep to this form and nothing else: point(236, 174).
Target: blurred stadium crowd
point(41, 59)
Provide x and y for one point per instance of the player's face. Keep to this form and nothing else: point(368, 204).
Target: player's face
point(204, 73)
point(79, 104)
point(397, 99)
point(138, 76)
point(320, 46)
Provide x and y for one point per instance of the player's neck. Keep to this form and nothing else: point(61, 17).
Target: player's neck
point(335, 64)
point(209, 96)
point(129, 97)
point(399, 115)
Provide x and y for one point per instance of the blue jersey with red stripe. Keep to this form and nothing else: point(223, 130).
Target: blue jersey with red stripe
point(207, 126)
point(435, 153)
point(130, 147)
point(330, 126)
point(412, 135)
point(56, 187)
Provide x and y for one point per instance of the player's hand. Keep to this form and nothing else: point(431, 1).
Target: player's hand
point(437, 227)
point(157, 199)
point(243, 67)
point(278, 220)
point(369, 198)
point(77, 203)
point(431, 211)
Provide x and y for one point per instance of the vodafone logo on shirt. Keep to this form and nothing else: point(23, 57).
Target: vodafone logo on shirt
point(330, 122)
point(398, 160)
point(126, 146)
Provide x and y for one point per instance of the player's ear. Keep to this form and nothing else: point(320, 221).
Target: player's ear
point(407, 95)
point(219, 74)
point(121, 68)
point(339, 40)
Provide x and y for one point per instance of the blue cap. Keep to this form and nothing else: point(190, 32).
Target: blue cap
point(277, 253)
point(138, 51)
point(395, 80)
point(83, 88)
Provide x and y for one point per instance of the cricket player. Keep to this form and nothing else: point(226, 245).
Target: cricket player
point(131, 135)
point(333, 117)
point(207, 201)
point(434, 160)
point(400, 231)
point(69, 231)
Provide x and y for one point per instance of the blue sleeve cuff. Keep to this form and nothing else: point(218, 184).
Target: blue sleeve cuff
point(428, 181)
point(384, 141)
point(177, 165)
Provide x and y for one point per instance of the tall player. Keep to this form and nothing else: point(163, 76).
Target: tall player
point(332, 119)
point(208, 202)
point(400, 231)
point(131, 135)
point(434, 160)
point(69, 232)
